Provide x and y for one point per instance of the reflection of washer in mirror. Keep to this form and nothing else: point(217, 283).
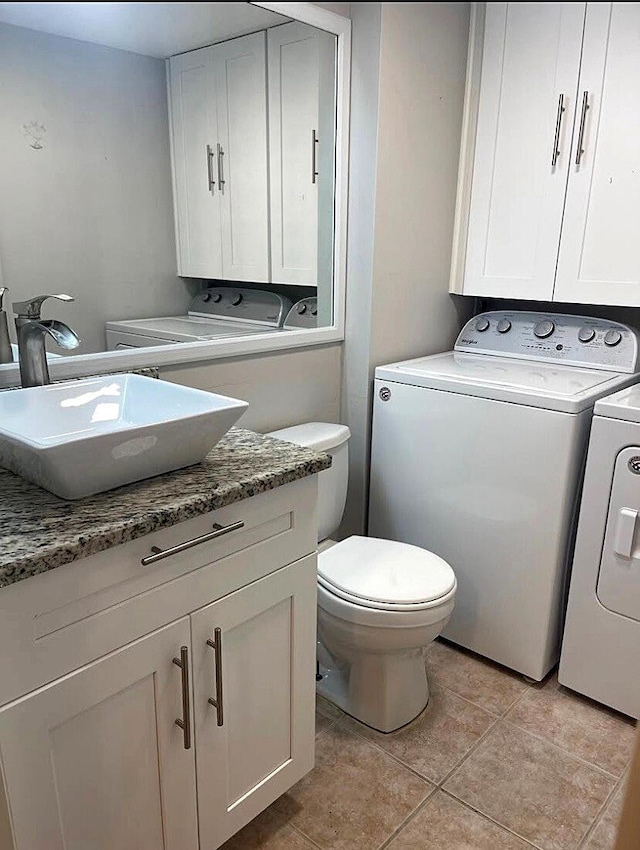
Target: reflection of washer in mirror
point(303, 314)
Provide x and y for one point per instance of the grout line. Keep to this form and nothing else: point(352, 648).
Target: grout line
point(407, 820)
point(469, 752)
point(560, 749)
point(305, 837)
point(386, 753)
point(600, 814)
point(487, 817)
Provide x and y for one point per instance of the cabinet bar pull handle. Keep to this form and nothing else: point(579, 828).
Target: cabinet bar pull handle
point(221, 180)
point(583, 121)
point(556, 138)
point(185, 723)
point(212, 182)
point(216, 645)
point(314, 142)
point(218, 531)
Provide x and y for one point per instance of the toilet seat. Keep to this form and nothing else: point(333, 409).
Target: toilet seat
point(385, 575)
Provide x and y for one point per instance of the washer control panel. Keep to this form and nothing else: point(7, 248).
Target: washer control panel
point(555, 337)
point(245, 305)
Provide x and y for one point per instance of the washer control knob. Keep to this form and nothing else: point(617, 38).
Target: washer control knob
point(544, 329)
point(482, 324)
point(314, 311)
point(504, 326)
point(216, 297)
point(586, 334)
point(302, 309)
point(206, 297)
point(236, 299)
point(612, 338)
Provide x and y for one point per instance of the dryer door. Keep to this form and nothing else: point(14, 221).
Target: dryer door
point(619, 578)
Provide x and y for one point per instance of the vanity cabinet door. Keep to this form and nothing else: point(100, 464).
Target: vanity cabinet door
point(96, 760)
point(529, 74)
point(194, 139)
point(259, 740)
point(599, 259)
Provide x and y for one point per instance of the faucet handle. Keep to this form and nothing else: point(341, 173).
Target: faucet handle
point(31, 308)
point(3, 289)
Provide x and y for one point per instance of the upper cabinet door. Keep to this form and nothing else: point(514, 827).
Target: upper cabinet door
point(600, 255)
point(294, 140)
point(527, 101)
point(242, 169)
point(194, 135)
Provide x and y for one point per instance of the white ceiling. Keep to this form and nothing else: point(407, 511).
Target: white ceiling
point(152, 29)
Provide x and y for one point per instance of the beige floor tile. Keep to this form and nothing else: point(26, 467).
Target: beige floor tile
point(484, 683)
point(326, 714)
point(445, 824)
point(531, 787)
point(269, 831)
point(604, 835)
point(355, 797)
point(577, 725)
point(438, 739)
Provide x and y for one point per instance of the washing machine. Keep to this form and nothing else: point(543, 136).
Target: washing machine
point(478, 454)
point(601, 645)
point(215, 313)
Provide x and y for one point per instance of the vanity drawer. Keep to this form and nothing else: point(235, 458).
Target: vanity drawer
point(57, 621)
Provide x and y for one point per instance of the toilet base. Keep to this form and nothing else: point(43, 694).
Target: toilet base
point(384, 692)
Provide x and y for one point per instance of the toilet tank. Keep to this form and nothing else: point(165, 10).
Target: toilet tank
point(332, 483)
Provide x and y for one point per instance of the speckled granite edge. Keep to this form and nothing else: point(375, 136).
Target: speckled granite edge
point(39, 531)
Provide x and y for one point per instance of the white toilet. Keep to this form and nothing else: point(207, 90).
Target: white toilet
point(380, 603)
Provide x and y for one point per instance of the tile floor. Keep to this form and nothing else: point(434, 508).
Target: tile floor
point(491, 764)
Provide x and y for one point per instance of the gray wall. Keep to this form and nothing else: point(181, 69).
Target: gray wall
point(409, 68)
point(283, 388)
point(91, 212)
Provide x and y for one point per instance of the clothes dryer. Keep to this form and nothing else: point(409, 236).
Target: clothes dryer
point(478, 455)
point(601, 645)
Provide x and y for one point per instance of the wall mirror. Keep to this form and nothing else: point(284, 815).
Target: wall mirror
point(180, 170)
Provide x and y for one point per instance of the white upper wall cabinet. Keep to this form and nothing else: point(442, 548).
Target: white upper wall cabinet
point(536, 219)
point(297, 143)
point(218, 103)
point(599, 259)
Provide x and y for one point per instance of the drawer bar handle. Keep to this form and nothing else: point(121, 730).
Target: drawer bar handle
point(218, 531)
point(185, 723)
point(216, 646)
point(314, 166)
point(556, 138)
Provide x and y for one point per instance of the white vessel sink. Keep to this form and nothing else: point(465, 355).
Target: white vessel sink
point(84, 437)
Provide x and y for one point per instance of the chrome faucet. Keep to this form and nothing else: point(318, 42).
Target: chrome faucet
point(31, 328)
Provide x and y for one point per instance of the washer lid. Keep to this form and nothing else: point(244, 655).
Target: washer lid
point(554, 386)
point(375, 570)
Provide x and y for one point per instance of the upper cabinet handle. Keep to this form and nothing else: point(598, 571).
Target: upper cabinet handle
point(314, 143)
point(221, 180)
point(212, 182)
point(556, 138)
point(583, 121)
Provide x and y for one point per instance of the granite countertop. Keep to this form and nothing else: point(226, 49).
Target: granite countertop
point(39, 531)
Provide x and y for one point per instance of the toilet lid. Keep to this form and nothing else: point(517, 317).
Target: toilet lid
point(377, 571)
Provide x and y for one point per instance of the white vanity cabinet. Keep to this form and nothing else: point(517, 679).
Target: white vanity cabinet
point(218, 111)
point(549, 185)
point(118, 744)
